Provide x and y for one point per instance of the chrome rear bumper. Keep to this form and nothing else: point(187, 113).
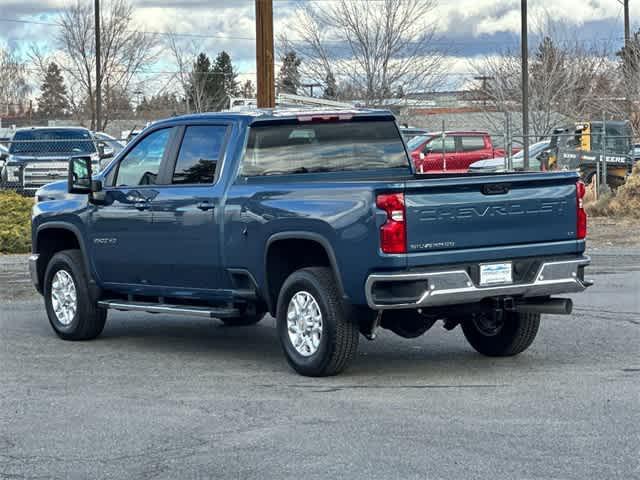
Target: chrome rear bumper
point(455, 287)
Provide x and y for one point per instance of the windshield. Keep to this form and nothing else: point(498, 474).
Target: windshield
point(618, 138)
point(323, 147)
point(52, 142)
point(415, 142)
point(534, 149)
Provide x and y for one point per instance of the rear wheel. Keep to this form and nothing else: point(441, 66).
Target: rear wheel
point(314, 329)
point(72, 312)
point(508, 336)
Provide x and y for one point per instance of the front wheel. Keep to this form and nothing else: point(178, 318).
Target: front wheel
point(317, 336)
point(508, 336)
point(72, 312)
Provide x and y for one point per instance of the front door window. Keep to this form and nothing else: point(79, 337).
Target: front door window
point(141, 165)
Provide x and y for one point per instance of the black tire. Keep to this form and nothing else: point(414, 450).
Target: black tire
point(339, 339)
point(244, 320)
point(515, 334)
point(88, 321)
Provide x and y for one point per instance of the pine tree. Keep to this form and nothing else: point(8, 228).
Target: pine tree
point(53, 103)
point(548, 74)
point(289, 76)
point(202, 84)
point(546, 58)
point(330, 87)
point(224, 81)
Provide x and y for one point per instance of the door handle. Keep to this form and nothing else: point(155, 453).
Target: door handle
point(142, 205)
point(204, 206)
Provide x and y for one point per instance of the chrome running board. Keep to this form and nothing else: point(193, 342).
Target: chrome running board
point(208, 312)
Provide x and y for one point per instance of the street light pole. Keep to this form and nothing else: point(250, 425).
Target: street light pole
point(98, 125)
point(525, 83)
point(264, 54)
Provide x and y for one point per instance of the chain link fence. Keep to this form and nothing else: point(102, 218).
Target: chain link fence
point(32, 158)
point(603, 151)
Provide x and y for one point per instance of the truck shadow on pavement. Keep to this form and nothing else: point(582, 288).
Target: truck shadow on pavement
point(256, 347)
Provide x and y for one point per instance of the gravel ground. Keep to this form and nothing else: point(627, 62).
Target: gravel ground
point(166, 397)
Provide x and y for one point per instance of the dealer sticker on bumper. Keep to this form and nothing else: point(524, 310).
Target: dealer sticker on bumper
point(496, 273)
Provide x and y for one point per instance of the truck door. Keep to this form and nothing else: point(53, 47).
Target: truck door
point(187, 217)
point(121, 241)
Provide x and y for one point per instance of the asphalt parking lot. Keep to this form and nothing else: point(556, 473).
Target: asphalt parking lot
point(165, 397)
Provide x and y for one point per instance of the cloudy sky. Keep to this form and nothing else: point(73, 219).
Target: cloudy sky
point(468, 28)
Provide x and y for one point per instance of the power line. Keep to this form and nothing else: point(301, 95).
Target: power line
point(223, 36)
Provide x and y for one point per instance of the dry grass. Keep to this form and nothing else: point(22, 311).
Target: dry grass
point(624, 204)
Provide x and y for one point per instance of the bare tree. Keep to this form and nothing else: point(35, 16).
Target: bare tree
point(193, 85)
point(14, 88)
point(125, 53)
point(375, 47)
point(629, 66)
point(568, 80)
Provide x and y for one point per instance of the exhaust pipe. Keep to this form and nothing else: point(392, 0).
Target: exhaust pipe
point(551, 306)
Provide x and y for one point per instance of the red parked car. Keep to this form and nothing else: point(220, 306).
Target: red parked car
point(461, 149)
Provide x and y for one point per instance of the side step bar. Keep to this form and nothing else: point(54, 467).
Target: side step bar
point(208, 312)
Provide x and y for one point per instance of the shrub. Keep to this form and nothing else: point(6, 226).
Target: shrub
point(624, 203)
point(15, 223)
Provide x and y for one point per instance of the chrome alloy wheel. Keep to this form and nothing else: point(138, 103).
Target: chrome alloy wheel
point(64, 298)
point(304, 323)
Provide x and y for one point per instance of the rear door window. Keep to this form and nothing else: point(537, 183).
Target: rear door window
point(472, 143)
point(200, 153)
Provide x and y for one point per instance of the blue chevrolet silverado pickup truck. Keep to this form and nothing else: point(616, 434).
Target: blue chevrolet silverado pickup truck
point(316, 218)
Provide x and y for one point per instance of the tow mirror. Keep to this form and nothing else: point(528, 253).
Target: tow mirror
point(80, 176)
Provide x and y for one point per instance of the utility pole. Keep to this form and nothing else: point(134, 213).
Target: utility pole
point(98, 125)
point(627, 23)
point(625, 58)
point(264, 54)
point(525, 83)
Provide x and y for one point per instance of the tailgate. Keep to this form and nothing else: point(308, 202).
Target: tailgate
point(485, 211)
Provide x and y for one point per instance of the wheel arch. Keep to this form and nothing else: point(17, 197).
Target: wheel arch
point(53, 237)
point(321, 254)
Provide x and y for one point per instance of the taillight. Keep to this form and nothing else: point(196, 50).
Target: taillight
point(393, 234)
point(581, 228)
